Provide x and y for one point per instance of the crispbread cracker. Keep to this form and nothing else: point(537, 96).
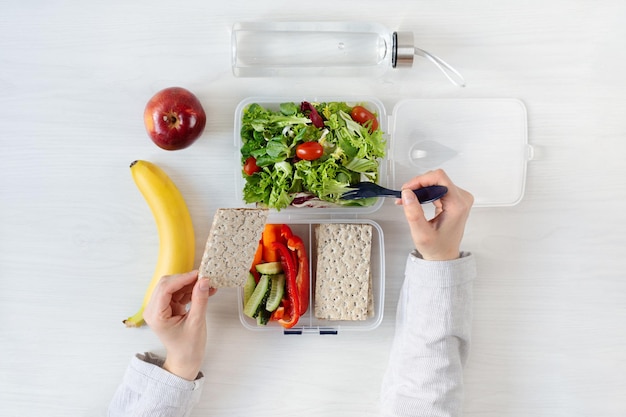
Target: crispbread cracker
point(371, 312)
point(342, 289)
point(231, 245)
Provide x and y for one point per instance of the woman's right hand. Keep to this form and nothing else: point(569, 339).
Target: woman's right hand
point(437, 239)
point(182, 329)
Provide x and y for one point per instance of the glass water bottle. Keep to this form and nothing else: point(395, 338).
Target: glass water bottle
point(339, 49)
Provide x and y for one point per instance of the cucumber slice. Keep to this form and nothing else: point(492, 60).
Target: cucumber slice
point(248, 288)
point(276, 293)
point(270, 268)
point(259, 295)
point(263, 317)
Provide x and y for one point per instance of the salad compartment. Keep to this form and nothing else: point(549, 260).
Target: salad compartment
point(372, 104)
point(308, 323)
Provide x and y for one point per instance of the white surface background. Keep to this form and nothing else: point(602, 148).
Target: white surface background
point(78, 243)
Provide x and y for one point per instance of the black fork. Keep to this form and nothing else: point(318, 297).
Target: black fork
point(370, 189)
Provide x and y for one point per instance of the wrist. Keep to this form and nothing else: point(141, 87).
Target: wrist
point(185, 371)
point(445, 257)
point(439, 256)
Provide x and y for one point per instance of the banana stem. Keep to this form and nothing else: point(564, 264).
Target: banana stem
point(135, 320)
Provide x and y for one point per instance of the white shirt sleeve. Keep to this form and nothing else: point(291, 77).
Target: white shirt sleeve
point(149, 390)
point(430, 346)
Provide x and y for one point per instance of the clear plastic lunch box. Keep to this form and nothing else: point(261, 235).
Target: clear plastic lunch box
point(482, 144)
point(308, 323)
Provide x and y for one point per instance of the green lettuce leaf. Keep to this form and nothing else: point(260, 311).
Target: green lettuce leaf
point(351, 154)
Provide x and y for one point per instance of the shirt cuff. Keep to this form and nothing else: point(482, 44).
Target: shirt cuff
point(441, 273)
point(145, 375)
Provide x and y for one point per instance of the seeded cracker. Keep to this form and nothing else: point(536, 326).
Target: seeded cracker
point(231, 246)
point(343, 289)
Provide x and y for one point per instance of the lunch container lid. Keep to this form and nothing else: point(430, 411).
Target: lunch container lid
point(482, 144)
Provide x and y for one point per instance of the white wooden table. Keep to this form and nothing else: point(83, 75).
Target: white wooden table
point(78, 243)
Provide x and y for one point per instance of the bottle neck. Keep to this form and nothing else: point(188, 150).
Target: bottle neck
point(402, 49)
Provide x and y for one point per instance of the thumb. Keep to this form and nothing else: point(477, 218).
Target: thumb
point(199, 299)
point(413, 212)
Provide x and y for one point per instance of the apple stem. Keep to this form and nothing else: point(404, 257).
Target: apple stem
point(170, 118)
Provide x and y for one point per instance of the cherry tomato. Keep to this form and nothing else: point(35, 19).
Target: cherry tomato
point(250, 166)
point(309, 151)
point(361, 115)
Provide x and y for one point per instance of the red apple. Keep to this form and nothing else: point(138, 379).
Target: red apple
point(174, 118)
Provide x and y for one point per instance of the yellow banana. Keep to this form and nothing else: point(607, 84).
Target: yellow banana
point(176, 235)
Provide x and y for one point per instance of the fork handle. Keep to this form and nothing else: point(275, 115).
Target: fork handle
point(427, 194)
point(390, 193)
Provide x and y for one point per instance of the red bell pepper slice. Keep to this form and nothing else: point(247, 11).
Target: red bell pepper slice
point(285, 232)
point(292, 310)
point(278, 314)
point(271, 233)
point(296, 244)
